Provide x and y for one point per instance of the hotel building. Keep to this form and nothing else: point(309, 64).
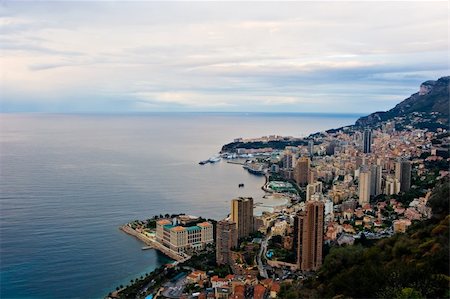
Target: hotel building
point(181, 238)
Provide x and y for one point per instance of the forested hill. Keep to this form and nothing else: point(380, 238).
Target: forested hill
point(433, 96)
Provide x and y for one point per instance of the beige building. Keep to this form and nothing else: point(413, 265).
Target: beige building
point(242, 215)
point(181, 238)
point(364, 186)
point(401, 225)
point(392, 186)
point(309, 236)
point(312, 189)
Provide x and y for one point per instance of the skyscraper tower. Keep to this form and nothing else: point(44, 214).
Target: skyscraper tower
point(331, 148)
point(403, 174)
point(364, 185)
point(367, 141)
point(311, 148)
point(242, 215)
point(309, 236)
point(226, 239)
point(302, 171)
point(375, 180)
point(288, 161)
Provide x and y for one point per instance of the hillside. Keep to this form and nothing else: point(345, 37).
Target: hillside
point(433, 96)
point(410, 265)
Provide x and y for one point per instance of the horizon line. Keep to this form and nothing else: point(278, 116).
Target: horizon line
point(182, 112)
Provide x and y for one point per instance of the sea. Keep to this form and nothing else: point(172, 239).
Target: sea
point(68, 181)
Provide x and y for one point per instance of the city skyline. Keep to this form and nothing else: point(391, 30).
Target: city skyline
point(331, 57)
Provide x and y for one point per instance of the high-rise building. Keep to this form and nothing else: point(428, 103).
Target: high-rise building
point(392, 186)
point(331, 148)
point(226, 239)
point(302, 171)
point(287, 161)
point(308, 236)
point(375, 180)
point(311, 148)
point(242, 215)
point(403, 174)
point(311, 189)
point(367, 141)
point(364, 185)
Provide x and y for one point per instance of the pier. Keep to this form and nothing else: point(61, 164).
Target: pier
point(236, 162)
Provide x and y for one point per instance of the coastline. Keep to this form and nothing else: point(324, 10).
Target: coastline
point(152, 244)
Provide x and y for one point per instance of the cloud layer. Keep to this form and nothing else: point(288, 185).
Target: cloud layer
point(218, 56)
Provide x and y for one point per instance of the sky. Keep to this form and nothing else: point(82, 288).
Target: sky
point(130, 56)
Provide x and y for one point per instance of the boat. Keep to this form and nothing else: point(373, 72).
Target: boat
point(214, 159)
point(203, 162)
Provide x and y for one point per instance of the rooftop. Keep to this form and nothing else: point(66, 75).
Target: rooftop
point(204, 224)
point(163, 221)
point(192, 228)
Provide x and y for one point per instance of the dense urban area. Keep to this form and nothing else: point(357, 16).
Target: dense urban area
point(360, 211)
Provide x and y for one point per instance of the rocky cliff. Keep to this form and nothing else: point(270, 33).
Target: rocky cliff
point(433, 96)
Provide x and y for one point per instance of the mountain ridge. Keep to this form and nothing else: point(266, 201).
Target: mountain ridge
point(433, 96)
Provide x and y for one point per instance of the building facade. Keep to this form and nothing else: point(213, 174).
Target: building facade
point(403, 174)
point(309, 236)
point(367, 141)
point(392, 186)
point(376, 172)
point(302, 171)
point(242, 215)
point(226, 239)
point(364, 186)
point(312, 189)
point(181, 238)
point(311, 148)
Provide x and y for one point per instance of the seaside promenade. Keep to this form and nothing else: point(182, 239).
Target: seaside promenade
point(152, 243)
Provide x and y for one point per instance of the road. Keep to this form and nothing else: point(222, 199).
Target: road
point(262, 253)
point(174, 289)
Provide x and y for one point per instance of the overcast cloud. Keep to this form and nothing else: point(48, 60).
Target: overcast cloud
point(350, 57)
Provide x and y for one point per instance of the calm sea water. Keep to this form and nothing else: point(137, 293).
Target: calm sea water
point(67, 182)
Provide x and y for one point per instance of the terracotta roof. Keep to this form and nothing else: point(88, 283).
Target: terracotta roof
point(164, 221)
point(178, 228)
point(275, 287)
point(239, 289)
point(258, 291)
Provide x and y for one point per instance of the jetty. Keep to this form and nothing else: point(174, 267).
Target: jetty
point(236, 162)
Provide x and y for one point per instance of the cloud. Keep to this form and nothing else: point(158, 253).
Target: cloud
point(291, 56)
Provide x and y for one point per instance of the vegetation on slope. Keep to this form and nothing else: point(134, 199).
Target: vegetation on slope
point(436, 100)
